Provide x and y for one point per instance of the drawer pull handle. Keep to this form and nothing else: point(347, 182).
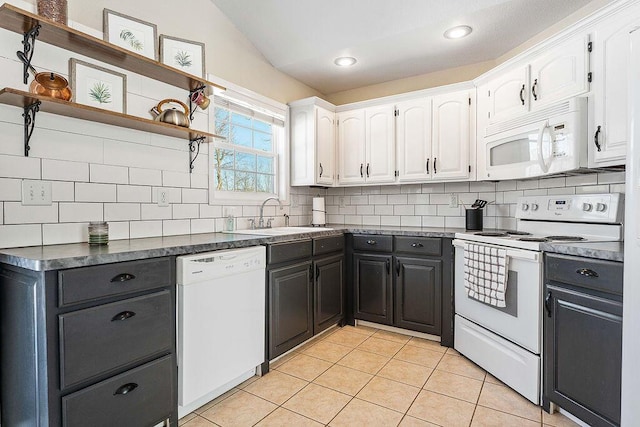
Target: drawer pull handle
point(124, 277)
point(417, 245)
point(371, 242)
point(548, 302)
point(127, 388)
point(587, 272)
point(123, 316)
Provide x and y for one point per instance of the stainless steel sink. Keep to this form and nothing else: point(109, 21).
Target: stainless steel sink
point(280, 231)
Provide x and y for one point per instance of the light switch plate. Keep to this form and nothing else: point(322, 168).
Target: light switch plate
point(36, 193)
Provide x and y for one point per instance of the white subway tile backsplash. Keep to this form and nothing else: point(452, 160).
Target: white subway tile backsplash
point(58, 234)
point(185, 211)
point(552, 182)
point(199, 180)
point(439, 199)
point(374, 189)
point(121, 153)
point(209, 211)
point(611, 178)
point(65, 145)
point(365, 210)
point(149, 212)
point(561, 191)
point(20, 235)
point(173, 195)
point(61, 170)
point(403, 210)
point(426, 210)
point(418, 199)
point(397, 199)
point(411, 189)
point(527, 185)
point(12, 138)
point(390, 221)
point(133, 194)
point(353, 191)
point(578, 180)
point(176, 179)
point(1, 213)
point(370, 220)
point(410, 221)
point(433, 221)
point(347, 210)
point(359, 200)
point(592, 189)
point(140, 229)
point(194, 195)
point(139, 176)
point(95, 192)
point(537, 192)
point(176, 227)
point(506, 185)
point(335, 219)
point(108, 174)
point(482, 186)
point(119, 230)
point(447, 211)
point(203, 225)
point(512, 196)
point(19, 167)
point(353, 219)
point(617, 188)
point(16, 213)
point(10, 189)
point(81, 212)
point(383, 210)
point(378, 199)
point(456, 187)
point(121, 211)
point(63, 191)
point(432, 188)
point(454, 222)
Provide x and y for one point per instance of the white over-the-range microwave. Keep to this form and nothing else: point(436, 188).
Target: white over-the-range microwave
point(548, 141)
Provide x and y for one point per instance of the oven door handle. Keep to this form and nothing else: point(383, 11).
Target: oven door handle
point(511, 253)
point(543, 165)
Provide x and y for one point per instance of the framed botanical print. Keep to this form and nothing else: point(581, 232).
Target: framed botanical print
point(130, 33)
point(185, 55)
point(98, 87)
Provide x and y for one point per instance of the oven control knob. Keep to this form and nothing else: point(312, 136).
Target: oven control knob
point(601, 207)
point(587, 207)
point(525, 206)
point(534, 206)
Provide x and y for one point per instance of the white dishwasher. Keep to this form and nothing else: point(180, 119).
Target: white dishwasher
point(220, 321)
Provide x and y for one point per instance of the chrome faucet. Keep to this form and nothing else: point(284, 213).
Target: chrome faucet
point(261, 219)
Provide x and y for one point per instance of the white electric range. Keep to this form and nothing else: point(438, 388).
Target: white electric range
point(507, 341)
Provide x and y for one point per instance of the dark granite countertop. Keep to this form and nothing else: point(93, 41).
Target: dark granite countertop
point(54, 257)
point(611, 251)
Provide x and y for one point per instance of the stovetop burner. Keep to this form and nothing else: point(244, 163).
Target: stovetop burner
point(566, 238)
point(517, 233)
point(492, 234)
point(533, 239)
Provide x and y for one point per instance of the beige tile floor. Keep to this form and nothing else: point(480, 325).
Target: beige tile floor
point(360, 376)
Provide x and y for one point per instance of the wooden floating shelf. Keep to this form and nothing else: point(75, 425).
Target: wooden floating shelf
point(21, 21)
point(22, 99)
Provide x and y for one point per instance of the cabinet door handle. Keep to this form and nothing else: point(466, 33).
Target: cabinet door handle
point(367, 170)
point(533, 90)
point(361, 174)
point(417, 245)
point(321, 170)
point(435, 170)
point(311, 273)
point(127, 388)
point(372, 242)
point(596, 138)
point(317, 271)
point(124, 277)
point(547, 303)
point(388, 264)
point(587, 272)
point(123, 316)
point(398, 268)
point(522, 95)
point(427, 165)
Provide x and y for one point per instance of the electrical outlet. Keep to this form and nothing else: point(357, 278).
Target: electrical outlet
point(342, 202)
point(453, 200)
point(163, 199)
point(36, 193)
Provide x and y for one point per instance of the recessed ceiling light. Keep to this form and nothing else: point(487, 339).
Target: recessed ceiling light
point(458, 32)
point(345, 61)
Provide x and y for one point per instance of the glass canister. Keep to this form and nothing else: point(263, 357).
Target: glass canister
point(98, 233)
point(56, 10)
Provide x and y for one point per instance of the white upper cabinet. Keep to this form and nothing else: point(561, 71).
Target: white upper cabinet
point(560, 73)
point(380, 145)
point(608, 129)
point(508, 94)
point(451, 140)
point(351, 147)
point(413, 140)
point(312, 144)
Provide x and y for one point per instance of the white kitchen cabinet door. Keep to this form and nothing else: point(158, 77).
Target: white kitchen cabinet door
point(413, 141)
point(351, 147)
point(380, 144)
point(451, 136)
point(325, 146)
point(507, 95)
point(560, 73)
point(610, 124)
point(302, 146)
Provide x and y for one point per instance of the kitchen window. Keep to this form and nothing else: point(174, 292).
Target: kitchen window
point(248, 164)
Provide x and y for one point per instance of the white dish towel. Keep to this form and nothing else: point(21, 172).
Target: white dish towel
point(485, 273)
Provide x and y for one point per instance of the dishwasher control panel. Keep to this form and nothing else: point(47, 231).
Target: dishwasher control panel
point(199, 267)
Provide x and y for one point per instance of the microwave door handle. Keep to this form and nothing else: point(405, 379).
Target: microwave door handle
point(543, 165)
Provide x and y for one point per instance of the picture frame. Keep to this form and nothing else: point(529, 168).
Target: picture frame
point(130, 33)
point(184, 55)
point(97, 86)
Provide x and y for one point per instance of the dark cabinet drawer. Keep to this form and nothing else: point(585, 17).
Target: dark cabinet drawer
point(102, 338)
point(91, 283)
point(325, 245)
point(288, 251)
point(372, 243)
point(418, 245)
point(605, 276)
point(143, 396)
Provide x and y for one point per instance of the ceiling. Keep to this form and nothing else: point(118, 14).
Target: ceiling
point(392, 39)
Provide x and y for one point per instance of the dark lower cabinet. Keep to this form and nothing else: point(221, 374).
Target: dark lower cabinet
point(583, 338)
point(290, 307)
point(418, 294)
point(328, 292)
point(373, 288)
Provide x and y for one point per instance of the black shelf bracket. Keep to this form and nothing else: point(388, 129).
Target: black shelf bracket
point(29, 123)
point(194, 150)
point(28, 47)
point(192, 105)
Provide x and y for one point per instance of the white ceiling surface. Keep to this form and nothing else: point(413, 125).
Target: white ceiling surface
point(392, 39)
